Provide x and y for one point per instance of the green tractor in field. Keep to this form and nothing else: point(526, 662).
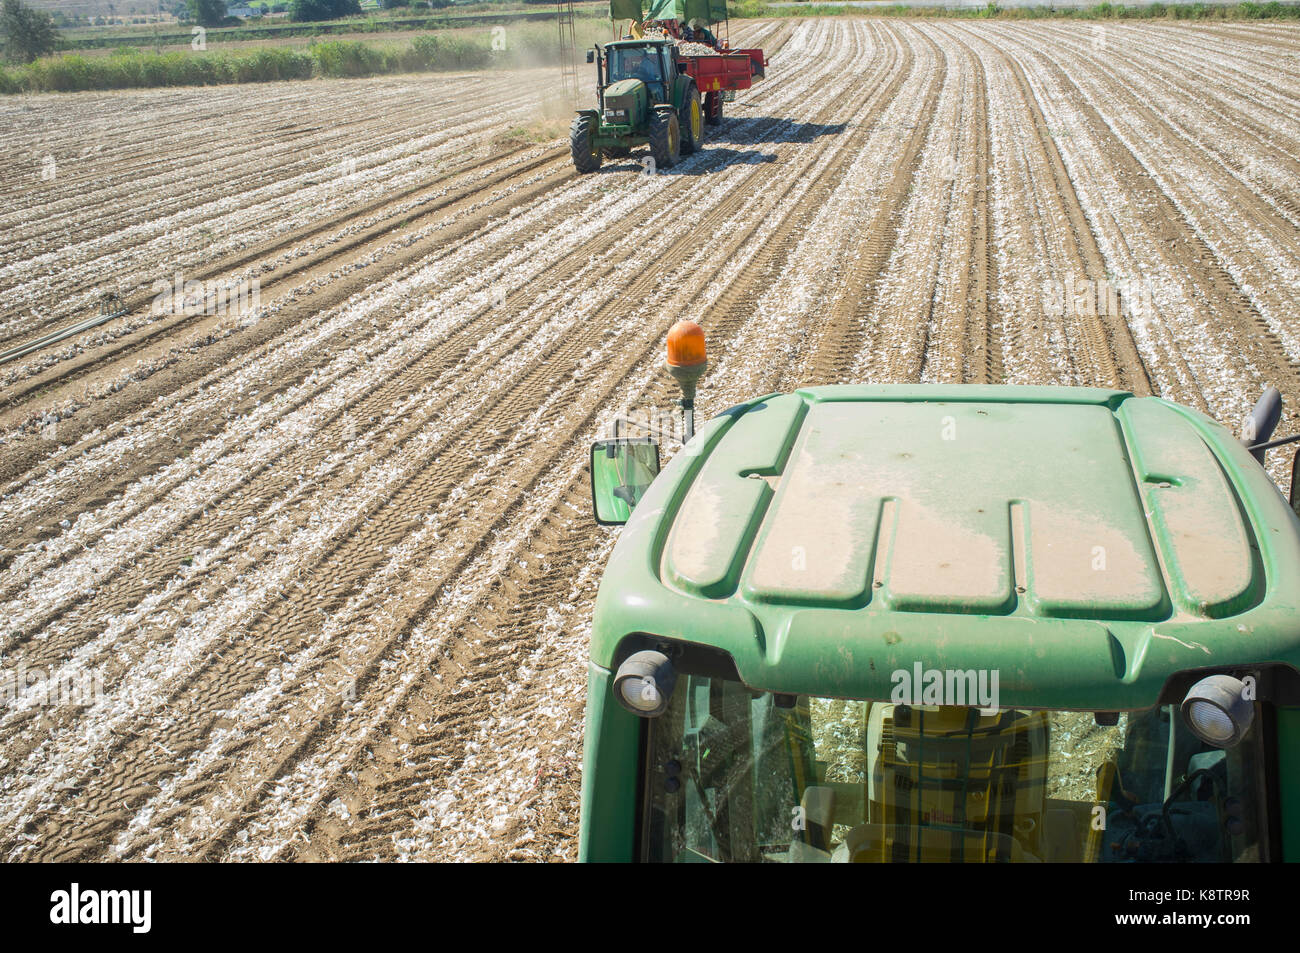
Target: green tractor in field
point(645, 99)
point(944, 623)
point(662, 83)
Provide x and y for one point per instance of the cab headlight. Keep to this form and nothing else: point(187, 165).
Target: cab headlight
point(1217, 710)
point(644, 684)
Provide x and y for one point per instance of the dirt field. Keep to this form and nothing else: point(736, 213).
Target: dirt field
point(332, 560)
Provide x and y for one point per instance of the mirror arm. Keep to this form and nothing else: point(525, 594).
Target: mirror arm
point(611, 451)
point(1274, 443)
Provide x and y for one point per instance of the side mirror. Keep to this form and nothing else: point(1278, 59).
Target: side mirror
point(1295, 485)
point(621, 471)
point(591, 56)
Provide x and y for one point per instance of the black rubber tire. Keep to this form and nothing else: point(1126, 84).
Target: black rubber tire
point(665, 138)
point(692, 126)
point(616, 152)
point(713, 109)
point(586, 158)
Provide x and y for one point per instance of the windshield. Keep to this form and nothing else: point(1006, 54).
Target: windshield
point(736, 776)
point(635, 62)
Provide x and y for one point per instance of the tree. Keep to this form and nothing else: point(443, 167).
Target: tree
point(207, 12)
point(28, 33)
point(322, 9)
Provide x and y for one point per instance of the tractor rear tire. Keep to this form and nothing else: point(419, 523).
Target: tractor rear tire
point(691, 121)
point(665, 138)
point(713, 109)
point(586, 157)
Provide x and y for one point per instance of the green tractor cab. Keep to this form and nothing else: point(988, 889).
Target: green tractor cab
point(945, 623)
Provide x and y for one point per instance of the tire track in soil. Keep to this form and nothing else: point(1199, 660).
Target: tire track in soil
point(832, 348)
point(1186, 255)
point(596, 244)
point(228, 183)
point(482, 678)
point(125, 336)
point(507, 415)
point(1256, 278)
point(980, 290)
point(899, 301)
point(1112, 350)
point(761, 265)
point(1125, 253)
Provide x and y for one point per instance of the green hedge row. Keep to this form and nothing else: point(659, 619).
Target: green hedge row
point(277, 30)
point(333, 58)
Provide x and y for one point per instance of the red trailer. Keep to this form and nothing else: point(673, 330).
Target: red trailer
point(727, 71)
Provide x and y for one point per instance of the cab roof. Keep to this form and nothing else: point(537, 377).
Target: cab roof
point(1085, 543)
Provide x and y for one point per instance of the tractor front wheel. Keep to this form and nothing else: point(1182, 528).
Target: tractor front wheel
point(665, 138)
point(713, 109)
point(691, 120)
point(586, 157)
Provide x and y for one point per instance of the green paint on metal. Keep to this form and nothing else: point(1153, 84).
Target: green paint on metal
point(1085, 545)
point(1193, 512)
point(828, 537)
point(684, 11)
point(625, 10)
point(614, 745)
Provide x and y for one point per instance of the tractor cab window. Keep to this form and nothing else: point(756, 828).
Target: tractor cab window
point(636, 63)
point(738, 775)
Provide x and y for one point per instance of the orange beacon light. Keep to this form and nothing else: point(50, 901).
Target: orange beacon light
point(687, 362)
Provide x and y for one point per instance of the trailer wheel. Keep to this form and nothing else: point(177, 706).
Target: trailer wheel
point(713, 109)
point(691, 121)
point(665, 138)
point(586, 157)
